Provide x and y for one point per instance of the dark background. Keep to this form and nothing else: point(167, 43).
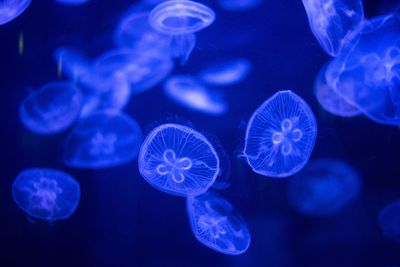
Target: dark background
point(121, 220)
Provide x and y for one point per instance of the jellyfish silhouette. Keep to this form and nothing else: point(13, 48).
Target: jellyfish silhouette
point(389, 220)
point(217, 225)
point(11, 9)
point(239, 5)
point(178, 160)
point(280, 135)
point(46, 194)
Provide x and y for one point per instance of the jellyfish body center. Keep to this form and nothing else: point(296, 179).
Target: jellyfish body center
point(45, 193)
point(103, 143)
point(174, 166)
point(286, 135)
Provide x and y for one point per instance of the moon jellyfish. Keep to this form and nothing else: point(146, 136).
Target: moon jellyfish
point(239, 5)
point(72, 2)
point(188, 92)
point(389, 220)
point(51, 109)
point(324, 187)
point(181, 19)
point(178, 160)
point(334, 22)
point(280, 135)
point(102, 140)
point(217, 225)
point(11, 9)
point(46, 194)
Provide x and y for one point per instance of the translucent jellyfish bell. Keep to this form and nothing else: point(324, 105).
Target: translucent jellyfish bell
point(389, 220)
point(216, 224)
point(46, 194)
point(178, 160)
point(11, 9)
point(280, 135)
point(239, 5)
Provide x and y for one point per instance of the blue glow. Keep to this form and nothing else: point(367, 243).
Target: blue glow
point(72, 2)
point(217, 225)
point(72, 62)
point(223, 180)
point(46, 194)
point(178, 160)
point(239, 5)
point(389, 220)
point(103, 140)
point(280, 135)
point(11, 9)
point(324, 187)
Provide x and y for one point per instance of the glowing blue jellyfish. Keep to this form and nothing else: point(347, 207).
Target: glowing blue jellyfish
point(178, 160)
point(72, 2)
point(324, 187)
point(239, 5)
point(181, 19)
point(217, 225)
point(280, 135)
point(389, 220)
point(11, 9)
point(188, 92)
point(46, 194)
point(334, 22)
point(72, 62)
point(102, 140)
point(51, 109)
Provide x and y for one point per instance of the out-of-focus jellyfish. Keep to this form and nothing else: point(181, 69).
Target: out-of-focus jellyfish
point(239, 5)
point(181, 19)
point(217, 225)
point(11, 9)
point(102, 140)
point(51, 109)
point(178, 160)
point(324, 187)
point(280, 135)
point(72, 62)
point(335, 23)
point(72, 2)
point(189, 92)
point(46, 194)
point(389, 220)
point(226, 73)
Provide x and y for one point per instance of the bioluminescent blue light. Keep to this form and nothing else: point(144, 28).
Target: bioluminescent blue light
point(103, 140)
point(72, 62)
point(280, 135)
point(187, 91)
point(46, 194)
point(51, 109)
point(239, 5)
point(389, 220)
point(334, 22)
point(323, 187)
point(11, 9)
point(178, 160)
point(226, 73)
point(223, 179)
point(217, 225)
point(72, 2)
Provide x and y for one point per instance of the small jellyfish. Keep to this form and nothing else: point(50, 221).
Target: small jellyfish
point(324, 187)
point(189, 92)
point(334, 23)
point(102, 140)
point(11, 9)
point(46, 194)
point(72, 2)
point(389, 220)
point(280, 135)
point(217, 225)
point(239, 5)
point(178, 160)
point(51, 109)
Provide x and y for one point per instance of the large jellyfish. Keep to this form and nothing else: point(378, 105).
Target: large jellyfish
point(46, 194)
point(178, 160)
point(103, 140)
point(51, 109)
point(324, 187)
point(217, 225)
point(11, 9)
point(389, 220)
point(280, 135)
point(239, 5)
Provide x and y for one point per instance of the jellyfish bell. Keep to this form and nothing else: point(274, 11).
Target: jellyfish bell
point(11, 9)
point(389, 220)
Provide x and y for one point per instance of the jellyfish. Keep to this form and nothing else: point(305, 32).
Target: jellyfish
point(11, 9)
point(335, 23)
point(389, 220)
point(324, 187)
point(46, 194)
point(239, 5)
point(223, 179)
point(102, 140)
point(51, 109)
point(72, 63)
point(217, 225)
point(72, 2)
point(181, 19)
point(178, 160)
point(189, 92)
point(280, 135)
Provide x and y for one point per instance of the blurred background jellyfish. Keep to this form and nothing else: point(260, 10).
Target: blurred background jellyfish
point(187, 91)
point(103, 140)
point(239, 5)
point(323, 187)
point(11, 9)
point(216, 224)
point(71, 62)
point(389, 220)
point(51, 109)
point(178, 160)
point(334, 22)
point(72, 2)
point(280, 135)
point(181, 19)
point(46, 194)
